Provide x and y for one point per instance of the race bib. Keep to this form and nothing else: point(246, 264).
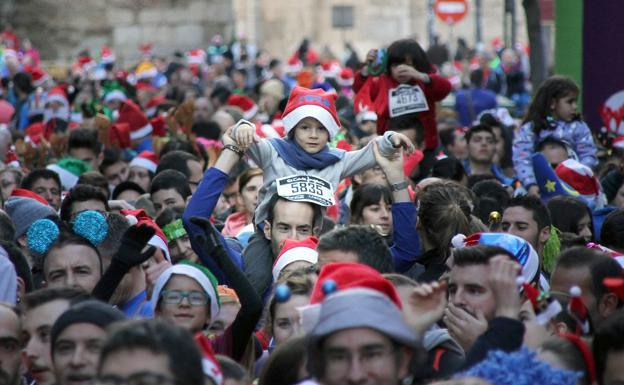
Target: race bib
point(406, 99)
point(306, 188)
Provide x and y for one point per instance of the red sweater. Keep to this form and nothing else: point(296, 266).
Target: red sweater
point(435, 91)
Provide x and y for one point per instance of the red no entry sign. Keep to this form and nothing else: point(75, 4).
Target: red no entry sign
point(451, 11)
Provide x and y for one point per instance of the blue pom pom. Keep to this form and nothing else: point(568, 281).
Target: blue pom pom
point(92, 226)
point(329, 286)
point(282, 293)
point(41, 235)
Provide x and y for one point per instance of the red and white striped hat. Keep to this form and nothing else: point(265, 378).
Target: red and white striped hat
point(146, 159)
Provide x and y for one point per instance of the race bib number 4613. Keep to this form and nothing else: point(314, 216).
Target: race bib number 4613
point(406, 99)
point(306, 188)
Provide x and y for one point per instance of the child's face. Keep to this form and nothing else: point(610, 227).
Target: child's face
point(565, 108)
point(311, 135)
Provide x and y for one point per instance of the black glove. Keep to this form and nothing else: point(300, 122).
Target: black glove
point(134, 240)
point(210, 240)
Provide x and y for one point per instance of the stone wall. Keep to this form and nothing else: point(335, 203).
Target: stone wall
point(61, 28)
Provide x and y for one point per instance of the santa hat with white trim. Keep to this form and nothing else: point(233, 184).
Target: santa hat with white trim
point(106, 55)
point(200, 274)
point(275, 130)
point(138, 217)
point(131, 113)
point(246, 104)
point(342, 278)
point(293, 251)
point(57, 94)
point(306, 103)
point(146, 159)
point(345, 77)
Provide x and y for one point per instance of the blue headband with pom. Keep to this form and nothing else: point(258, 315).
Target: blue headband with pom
point(41, 235)
point(92, 226)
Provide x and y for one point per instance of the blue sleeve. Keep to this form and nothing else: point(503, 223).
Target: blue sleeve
point(202, 204)
point(406, 246)
point(523, 147)
point(585, 147)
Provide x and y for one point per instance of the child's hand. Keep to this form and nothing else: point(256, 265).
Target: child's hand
point(406, 72)
point(245, 135)
point(400, 140)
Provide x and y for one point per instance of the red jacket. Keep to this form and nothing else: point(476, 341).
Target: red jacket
point(435, 91)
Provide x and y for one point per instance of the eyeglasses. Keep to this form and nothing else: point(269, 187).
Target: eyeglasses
point(141, 378)
point(175, 297)
point(339, 361)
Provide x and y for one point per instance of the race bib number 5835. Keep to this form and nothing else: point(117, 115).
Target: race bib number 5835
point(306, 188)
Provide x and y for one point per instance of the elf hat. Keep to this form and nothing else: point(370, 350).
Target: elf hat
point(131, 113)
point(318, 104)
point(146, 159)
point(249, 108)
point(69, 170)
point(293, 251)
point(200, 274)
point(138, 217)
point(524, 253)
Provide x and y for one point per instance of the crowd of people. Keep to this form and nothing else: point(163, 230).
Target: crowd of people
point(223, 217)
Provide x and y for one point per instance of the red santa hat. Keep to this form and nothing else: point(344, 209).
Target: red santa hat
point(153, 103)
point(38, 76)
point(343, 278)
point(363, 106)
point(293, 251)
point(131, 113)
point(345, 77)
point(578, 310)
point(138, 217)
point(119, 133)
point(57, 94)
point(545, 307)
point(23, 193)
point(158, 126)
point(274, 130)
point(146, 159)
point(619, 257)
point(294, 65)
point(306, 103)
point(245, 103)
point(196, 56)
point(330, 69)
point(146, 49)
point(210, 364)
point(11, 158)
point(106, 55)
point(588, 357)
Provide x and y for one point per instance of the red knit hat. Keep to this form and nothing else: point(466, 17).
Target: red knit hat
point(294, 250)
point(306, 103)
point(19, 192)
point(138, 217)
point(250, 109)
point(146, 159)
point(131, 113)
point(351, 275)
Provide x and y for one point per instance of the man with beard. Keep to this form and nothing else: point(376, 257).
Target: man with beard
point(77, 337)
point(40, 309)
point(10, 336)
point(528, 218)
point(472, 297)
